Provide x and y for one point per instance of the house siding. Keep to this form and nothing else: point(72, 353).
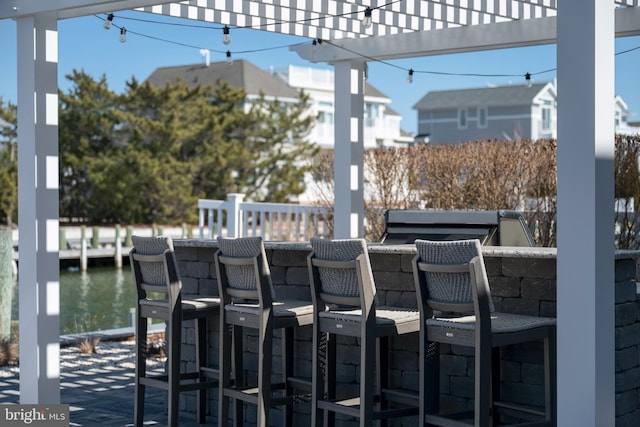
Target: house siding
point(502, 123)
point(512, 112)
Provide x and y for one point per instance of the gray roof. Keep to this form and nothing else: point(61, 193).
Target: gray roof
point(502, 96)
point(240, 74)
point(370, 90)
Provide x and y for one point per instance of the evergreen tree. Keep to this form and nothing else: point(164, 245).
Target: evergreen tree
point(8, 164)
point(88, 116)
point(277, 146)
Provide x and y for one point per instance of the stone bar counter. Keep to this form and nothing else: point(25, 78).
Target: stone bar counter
point(522, 280)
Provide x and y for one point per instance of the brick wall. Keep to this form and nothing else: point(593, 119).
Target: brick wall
point(519, 284)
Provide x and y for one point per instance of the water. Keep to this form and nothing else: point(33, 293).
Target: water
point(94, 300)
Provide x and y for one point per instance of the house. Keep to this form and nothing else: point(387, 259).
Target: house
point(498, 112)
point(382, 124)
point(239, 74)
point(622, 116)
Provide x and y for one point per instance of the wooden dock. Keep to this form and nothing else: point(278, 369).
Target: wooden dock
point(106, 247)
point(105, 252)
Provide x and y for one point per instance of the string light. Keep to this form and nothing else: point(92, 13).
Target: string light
point(226, 37)
point(410, 76)
point(108, 21)
point(366, 22)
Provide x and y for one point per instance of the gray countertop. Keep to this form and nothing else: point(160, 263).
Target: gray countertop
point(488, 251)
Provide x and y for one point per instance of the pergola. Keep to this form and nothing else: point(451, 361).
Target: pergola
point(584, 31)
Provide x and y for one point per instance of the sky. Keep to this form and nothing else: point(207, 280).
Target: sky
point(85, 45)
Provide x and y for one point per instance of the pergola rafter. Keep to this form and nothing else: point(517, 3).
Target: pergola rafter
point(333, 20)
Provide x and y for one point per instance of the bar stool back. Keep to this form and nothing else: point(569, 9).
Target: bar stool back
point(159, 296)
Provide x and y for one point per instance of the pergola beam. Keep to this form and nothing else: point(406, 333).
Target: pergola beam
point(435, 42)
point(513, 34)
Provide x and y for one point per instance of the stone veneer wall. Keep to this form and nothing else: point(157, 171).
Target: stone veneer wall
point(522, 281)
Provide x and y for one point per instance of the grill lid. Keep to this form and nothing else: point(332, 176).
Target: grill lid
point(492, 228)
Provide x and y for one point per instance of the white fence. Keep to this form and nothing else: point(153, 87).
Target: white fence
point(272, 221)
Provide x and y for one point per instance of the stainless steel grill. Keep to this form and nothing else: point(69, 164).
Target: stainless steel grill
point(492, 228)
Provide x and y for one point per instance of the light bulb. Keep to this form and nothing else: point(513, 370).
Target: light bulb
point(226, 37)
point(366, 22)
point(527, 77)
point(123, 35)
point(229, 58)
point(410, 76)
point(107, 22)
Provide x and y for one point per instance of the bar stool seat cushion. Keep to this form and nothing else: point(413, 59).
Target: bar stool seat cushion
point(500, 322)
point(202, 303)
point(384, 315)
point(195, 304)
point(287, 308)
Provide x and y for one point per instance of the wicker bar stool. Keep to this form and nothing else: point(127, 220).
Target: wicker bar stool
point(456, 308)
point(344, 299)
point(159, 296)
point(249, 301)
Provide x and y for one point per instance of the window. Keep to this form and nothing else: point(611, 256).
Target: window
point(462, 118)
point(546, 115)
point(546, 118)
point(371, 114)
point(482, 117)
point(325, 117)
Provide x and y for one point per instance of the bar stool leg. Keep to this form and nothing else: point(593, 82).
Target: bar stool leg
point(367, 375)
point(238, 374)
point(482, 393)
point(382, 370)
point(201, 361)
point(265, 352)
point(141, 369)
point(550, 377)
point(224, 365)
point(330, 367)
point(174, 345)
point(496, 389)
point(287, 371)
point(317, 383)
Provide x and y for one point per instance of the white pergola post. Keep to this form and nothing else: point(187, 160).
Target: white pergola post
point(586, 324)
point(38, 208)
point(349, 149)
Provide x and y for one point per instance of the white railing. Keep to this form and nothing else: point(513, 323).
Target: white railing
point(272, 221)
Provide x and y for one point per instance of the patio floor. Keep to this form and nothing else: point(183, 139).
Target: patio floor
point(99, 388)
